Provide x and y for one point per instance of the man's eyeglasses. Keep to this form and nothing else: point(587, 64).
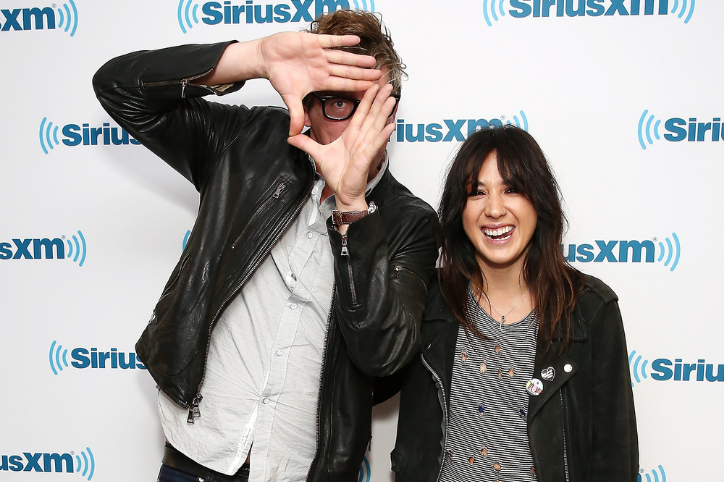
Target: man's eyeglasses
point(339, 108)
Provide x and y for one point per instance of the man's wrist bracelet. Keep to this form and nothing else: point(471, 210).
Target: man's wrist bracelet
point(347, 217)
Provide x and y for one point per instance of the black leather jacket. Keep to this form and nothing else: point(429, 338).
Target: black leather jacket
point(582, 427)
point(252, 184)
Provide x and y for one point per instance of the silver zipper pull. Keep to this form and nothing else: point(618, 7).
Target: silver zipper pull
point(184, 83)
point(194, 411)
point(279, 190)
point(345, 251)
point(396, 271)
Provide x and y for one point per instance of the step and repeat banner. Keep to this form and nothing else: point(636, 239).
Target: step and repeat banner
point(624, 96)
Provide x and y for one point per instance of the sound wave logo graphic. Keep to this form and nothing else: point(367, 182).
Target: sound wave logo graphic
point(491, 9)
point(68, 17)
point(648, 124)
point(48, 135)
point(521, 123)
point(654, 476)
point(684, 5)
point(364, 471)
point(86, 465)
point(58, 357)
point(670, 250)
point(186, 13)
point(80, 248)
point(637, 364)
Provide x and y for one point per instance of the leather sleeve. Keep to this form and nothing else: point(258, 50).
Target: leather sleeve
point(615, 448)
point(148, 93)
point(382, 284)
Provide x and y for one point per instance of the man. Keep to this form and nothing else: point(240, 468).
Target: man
point(268, 334)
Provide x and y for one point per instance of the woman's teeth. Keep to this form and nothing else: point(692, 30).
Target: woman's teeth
point(500, 233)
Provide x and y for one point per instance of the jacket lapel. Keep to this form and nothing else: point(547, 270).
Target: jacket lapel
point(552, 371)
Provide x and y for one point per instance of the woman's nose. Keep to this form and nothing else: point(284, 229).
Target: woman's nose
point(495, 207)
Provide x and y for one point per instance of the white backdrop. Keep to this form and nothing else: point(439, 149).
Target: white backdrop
point(610, 95)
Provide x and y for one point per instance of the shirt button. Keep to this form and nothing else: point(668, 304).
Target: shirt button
point(293, 306)
point(280, 352)
point(265, 400)
point(568, 368)
point(314, 191)
point(310, 235)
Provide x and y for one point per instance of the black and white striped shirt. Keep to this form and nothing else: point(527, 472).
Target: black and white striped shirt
point(487, 437)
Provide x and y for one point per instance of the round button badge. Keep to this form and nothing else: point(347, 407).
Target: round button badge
point(534, 387)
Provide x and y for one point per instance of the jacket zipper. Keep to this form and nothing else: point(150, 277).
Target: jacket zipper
point(176, 278)
point(194, 408)
point(321, 373)
point(345, 253)
point(281, 187)
point(565, 439)
point(183, 82)
point(444, 413)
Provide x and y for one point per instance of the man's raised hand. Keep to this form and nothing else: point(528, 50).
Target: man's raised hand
point(299, 63)
point(345, 163)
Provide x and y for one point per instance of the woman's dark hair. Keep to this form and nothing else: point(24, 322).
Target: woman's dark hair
point(554, 284)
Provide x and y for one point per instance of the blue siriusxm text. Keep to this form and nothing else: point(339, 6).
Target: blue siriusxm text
point(46, 248)
point(82, 135)
point(37, 248)
point(451, 130)
point(82, 358)
point(249, 12)
point(591, 8)
point(37, 462)
point(40, 18)
point(82, 463)
point(92, 358)
point(623, 251)
point(663, 369)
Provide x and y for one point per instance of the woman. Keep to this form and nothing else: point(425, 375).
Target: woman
point(524, 372)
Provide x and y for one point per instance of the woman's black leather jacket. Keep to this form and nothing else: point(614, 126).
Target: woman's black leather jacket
point(252, 184)
point(581, 428)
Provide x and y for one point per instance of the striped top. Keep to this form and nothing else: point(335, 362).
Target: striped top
point(487, 438)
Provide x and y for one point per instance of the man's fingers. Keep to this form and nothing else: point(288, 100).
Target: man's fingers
point(305, 143)
point(348, 58)
point(363, 109)
point(296, 114)
point(380, 109)
point(352, 72)
point(329, 41)
point(345, 85)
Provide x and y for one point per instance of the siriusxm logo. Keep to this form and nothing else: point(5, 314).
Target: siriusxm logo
point(91, 358)
point(633, 251)
point(678, 129)
point(494, 10)
point(364, 471)
point(75, 135)
point(45, 248)
point(246, 11)
point(83, 464)
point(663, 369)
point(656, 475)
point(41, 18)
point(451, 129)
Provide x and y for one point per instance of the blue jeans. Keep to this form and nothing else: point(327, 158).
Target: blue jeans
point(169, 474)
